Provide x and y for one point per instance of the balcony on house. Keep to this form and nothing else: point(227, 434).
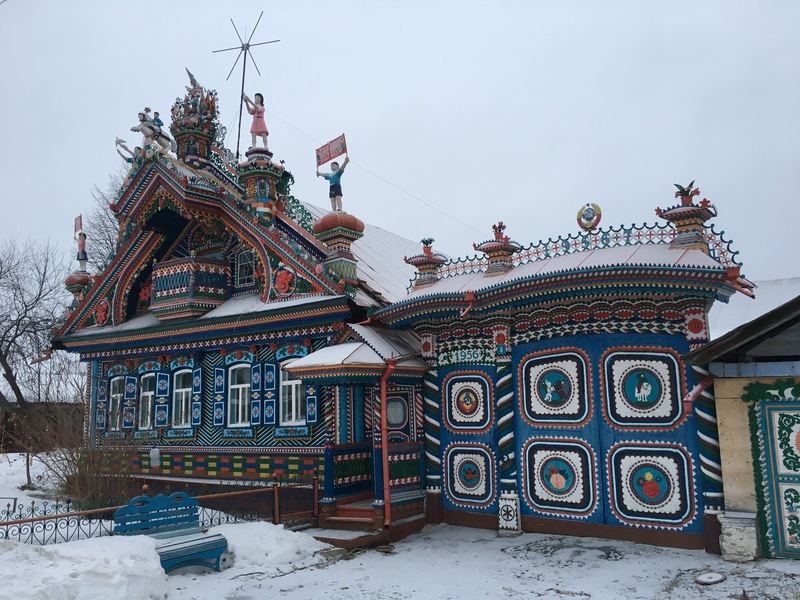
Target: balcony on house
point(189, 287)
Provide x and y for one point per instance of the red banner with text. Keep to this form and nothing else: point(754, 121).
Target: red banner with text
point(331, 150)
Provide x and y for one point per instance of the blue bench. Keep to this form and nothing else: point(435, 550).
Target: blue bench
point(176, 521)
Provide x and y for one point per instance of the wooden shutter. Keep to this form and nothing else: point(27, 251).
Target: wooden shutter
point(161, 409)
point(255, 394)
point(219, 397)
point(197, 397)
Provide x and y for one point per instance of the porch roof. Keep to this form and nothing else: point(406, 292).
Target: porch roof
point(363, 360)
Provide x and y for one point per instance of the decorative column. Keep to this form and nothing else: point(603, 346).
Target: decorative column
point(499, 251)
point(689, 219)
point(509, 523)
point(428, 265)
point(259, 176)
point(705, 414)
point(328, 502)
point(194, 125)
point(432, 411)
point(338, 230)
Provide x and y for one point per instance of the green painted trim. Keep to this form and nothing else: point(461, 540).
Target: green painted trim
point(756, 390)
point(761, 501)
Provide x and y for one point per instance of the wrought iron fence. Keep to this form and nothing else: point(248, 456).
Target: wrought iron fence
point(293, 505)
point(46, 522)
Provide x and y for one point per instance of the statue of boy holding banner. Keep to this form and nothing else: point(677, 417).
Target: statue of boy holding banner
point(332, 150)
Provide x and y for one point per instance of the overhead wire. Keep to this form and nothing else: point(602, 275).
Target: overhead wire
point(394, 185)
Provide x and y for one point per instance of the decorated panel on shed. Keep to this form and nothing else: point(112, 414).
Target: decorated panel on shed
point(602, 434)
point(775, 424)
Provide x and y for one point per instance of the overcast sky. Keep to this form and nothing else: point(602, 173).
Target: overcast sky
point(458, 114)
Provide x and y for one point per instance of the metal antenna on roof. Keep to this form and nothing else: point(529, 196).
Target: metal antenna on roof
point(244, 48)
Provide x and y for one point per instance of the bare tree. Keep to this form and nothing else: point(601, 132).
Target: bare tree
point(32, 298)
point(101, 224)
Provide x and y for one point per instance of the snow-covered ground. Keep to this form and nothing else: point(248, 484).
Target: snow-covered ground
point(441, 562)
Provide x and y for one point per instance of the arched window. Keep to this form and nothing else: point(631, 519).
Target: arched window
point(245, 273)
point(116, 390)
point(293, 399)
point(147, 388)
point(239, 395)
point(182, 399)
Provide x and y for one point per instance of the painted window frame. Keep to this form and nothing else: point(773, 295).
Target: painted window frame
point(242, 390)
point(182, 399)
point(245, 269)
point(292, 399)
point(115, 398)
point(146, 400)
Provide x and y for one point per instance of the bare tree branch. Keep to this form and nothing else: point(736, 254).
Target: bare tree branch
point(101, 224)
point(32, 297)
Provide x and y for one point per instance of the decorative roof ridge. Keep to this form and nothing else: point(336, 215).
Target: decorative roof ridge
point(599, 239)
point(534, 277)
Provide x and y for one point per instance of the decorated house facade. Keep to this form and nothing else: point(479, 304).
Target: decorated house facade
point(239, 334)
point(220, 280)
point(557, 400)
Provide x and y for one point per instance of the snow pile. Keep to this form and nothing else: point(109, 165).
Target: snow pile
point(128, 567)
point(125, 567)
point(269, 549)
point(100, 568)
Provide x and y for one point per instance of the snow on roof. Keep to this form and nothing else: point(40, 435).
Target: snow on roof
point(252, 303)
point(654, 255)
point(239, 305)
point(349, 353)
point(137, 322)
point(740, 309)
point(388, 343)
point(380, 256)
point(379, 345)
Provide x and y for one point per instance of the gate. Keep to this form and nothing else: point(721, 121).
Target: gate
point(602, 434)
point(778, 429)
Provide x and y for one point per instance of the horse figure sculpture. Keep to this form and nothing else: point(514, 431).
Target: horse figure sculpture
point(150, 130)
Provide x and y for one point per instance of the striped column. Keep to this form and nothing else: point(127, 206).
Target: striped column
point(505, 427)
point(431, 427)
point(508, 507)
point(705, 413)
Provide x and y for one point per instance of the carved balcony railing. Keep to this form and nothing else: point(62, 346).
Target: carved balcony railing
point(189, 287)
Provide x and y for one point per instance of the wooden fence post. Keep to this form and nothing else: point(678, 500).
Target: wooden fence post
point(276, 501)
point(315, 508)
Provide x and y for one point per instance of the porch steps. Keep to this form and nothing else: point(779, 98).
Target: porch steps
point(354, 516)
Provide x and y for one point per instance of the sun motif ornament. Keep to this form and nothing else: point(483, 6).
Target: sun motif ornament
point(589, 217)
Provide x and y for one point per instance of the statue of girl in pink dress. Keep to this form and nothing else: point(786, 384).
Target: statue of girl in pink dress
point(259, 126)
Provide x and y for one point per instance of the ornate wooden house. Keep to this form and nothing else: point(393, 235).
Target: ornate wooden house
point(220, 280)
point(537, 388)
point(557, 400)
